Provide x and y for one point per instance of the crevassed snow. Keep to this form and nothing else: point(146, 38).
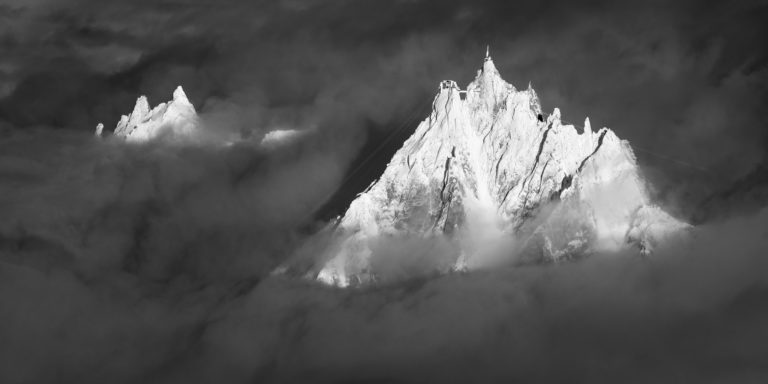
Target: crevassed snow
point(177, 122)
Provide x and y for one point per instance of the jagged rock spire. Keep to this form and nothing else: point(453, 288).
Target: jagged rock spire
point(176, 118)
point(99, 130)
point(180, 96)
point(485, 168)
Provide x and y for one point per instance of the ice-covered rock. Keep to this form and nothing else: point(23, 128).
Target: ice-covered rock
point(485, 165)
point(175, 120)
point(99, 130)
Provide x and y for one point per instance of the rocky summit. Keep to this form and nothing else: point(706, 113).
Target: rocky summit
point(489, 173)
point(175, 120)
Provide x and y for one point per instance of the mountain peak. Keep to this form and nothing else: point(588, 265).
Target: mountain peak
point(487, 167)
point(489, 68)
point(141, 108)
point(179, 96)
point(176, 119)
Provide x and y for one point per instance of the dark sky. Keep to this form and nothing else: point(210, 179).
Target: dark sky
point(152, 263)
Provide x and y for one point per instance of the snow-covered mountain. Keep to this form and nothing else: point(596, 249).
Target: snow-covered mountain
point(486, 165)
point(176, 119)
point(177, 122)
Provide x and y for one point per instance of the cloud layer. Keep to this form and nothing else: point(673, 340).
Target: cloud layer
point(169, 281)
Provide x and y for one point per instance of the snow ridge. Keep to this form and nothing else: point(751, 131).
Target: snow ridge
point(176, 119)
point(484, 166)
point(176, 122)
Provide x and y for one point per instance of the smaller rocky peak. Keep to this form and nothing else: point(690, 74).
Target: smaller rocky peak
point(554, 118)
point(609, 139)
point(587, 126)
point(128, 122)
point(177, 117)
point(488, 67)
point(140, 110)
point(534, 99)
point(488, 77)
point(180, 98)
point(142, 106)
point(612, 150)
point(179, 95)
point(448, 98)
point(489, 91)
point(99, 130)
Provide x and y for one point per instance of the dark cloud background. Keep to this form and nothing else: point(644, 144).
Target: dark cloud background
point(152, 263)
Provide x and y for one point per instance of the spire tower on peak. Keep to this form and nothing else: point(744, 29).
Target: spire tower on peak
point(488, 66)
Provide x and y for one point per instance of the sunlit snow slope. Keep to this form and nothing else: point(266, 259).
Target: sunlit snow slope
point(484, 167)
point(176, 119)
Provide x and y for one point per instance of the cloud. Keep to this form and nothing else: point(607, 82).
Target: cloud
point(690, 312)
point(152, 263)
